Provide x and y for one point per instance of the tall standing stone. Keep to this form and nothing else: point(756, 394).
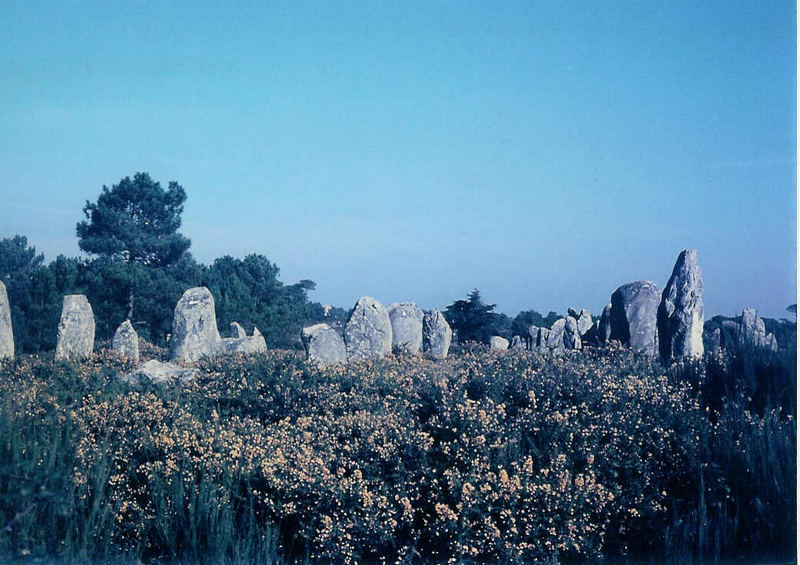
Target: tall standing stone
point(323, 344)
point(75, 329)
point(406, 319)
point(604, 325)
point(572, 335)
point(554, 339)
point(368, 332)
point(680, 314)
point(126, 341)
point(633, 315)
point(6, 332)
point(436, 335)
point(194, 326)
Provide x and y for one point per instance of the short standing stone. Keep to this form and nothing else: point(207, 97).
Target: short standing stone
point(604, 326)
point(6, 332)
point(555, 337)
point(680, 314)
point(498, 343)
point(753, 332)
point(584, 321)
point(244, 344)
point(194, 326)
point(237, 330)
point(323, 344)
point(368, 332)
point(517, 343)
point(633, 315)
point(436, 335)
point(406, 319)
point(126, 341)
point(75, 329)
point(572, 336)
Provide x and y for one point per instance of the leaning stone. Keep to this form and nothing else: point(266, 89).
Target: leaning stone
point(75, 329)
point(126, 341)
point(368, 332)
point(406, 319)
point(680, 314)
point(159, 372)
point(194, 326)
point(237, 331)
point(436, 335)
point(498, 343)
point(633, 315)
point(572, 337)
point(6, 332)
point(323, 344)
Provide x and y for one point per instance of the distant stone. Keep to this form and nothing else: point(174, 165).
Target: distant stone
point(633, 315)
point(126, 341)
point(572, 336)
point(244, 344)
point(680, 313)
point(75, 329)
point(715, 340)
point(159, 372)
point(498, 343)
point(517, 343)
point(406, 319)
point(237, 331)
point(368, 332)
point(6, 332)
point(584, 321)
point(323, 344)
point(194, 327)
point(604, 325)
point(555, 337)
point(752, 330)
point(436, 335)
point(771, 343)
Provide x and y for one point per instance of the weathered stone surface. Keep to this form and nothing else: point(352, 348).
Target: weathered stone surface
point(126, 341)
point(159, 372)
point(584, 321)
point(237, 331)
point(555, 337)
point(715, 341)
point(498, 343)
point(572, 336)
point(604, 326)
point(406, 319)
point(194, 326)
point(436, 335)
point(680, 313)
point(368, 332)
point(532, 338)
point(517, 343)
point(633, 315)
point(323, 344)
point(771, 343)
point(6, 332)
point(75, 329)
point(244, 344)
point(752, 331)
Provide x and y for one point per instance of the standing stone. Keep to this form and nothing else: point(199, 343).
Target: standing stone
point(633, 315)
point(517, 343)
point(406, 319)
point(75, 329)
point(584, 321)
point(194, 326)
point(6, 332)
point(680, 314)
point(572, 336)
point(532, 338)
point(323, 344)
point(498, 343)
point(541, 339)
point(436, 335)
point(555, 337)
point(604, 326)
point(126, 341)
point(237, 331)
point(715, 341)
point(368, 332)
point(752, 331)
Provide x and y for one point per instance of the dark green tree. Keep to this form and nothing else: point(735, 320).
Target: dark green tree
point(471, 319)
point(527, 318)
point(134, 225)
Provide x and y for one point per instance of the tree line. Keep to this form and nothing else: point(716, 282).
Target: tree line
point(139, 264)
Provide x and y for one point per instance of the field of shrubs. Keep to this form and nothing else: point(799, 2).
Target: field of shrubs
point(483, 458)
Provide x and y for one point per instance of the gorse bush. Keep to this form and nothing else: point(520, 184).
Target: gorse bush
point(484, 458)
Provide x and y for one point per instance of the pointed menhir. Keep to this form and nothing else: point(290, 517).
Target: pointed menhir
point(680, 314)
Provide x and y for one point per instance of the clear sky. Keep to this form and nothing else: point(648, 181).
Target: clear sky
point(543, 152)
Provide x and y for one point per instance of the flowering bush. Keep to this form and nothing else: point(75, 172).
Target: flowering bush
point(483, 458)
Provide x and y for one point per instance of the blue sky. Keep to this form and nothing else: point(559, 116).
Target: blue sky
point(543, 152)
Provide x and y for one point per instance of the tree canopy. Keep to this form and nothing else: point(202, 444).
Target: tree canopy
point(471, 319)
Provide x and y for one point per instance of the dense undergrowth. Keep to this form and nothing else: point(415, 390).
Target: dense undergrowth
point(483, 458)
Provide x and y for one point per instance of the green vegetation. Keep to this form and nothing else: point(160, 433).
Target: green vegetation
point(483, 458)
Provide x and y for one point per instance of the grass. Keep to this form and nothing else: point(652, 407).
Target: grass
point(486, 457)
